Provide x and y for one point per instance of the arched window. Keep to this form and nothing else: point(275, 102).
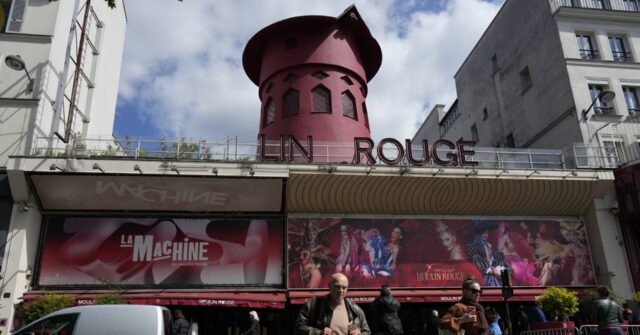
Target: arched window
point(291, 102)
point(348, 105)
point(269, 112)
point(321, 99)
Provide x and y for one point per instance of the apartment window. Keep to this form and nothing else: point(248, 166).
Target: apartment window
point(631, 99)
point(567, 3)
point(348, 105)
point(347, 80)
point(13, 15)
point(474, 133)
point(321, 99)
point(619, 50)
point(291, 102)
point(599, 106)
point(593, 4)
point(613, 150)
point(525, 79)
point(630, 5)
point(269, 112)
point(585, 47)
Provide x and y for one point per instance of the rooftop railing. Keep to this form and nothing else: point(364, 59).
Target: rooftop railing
point(614, 5)
point(233, 150)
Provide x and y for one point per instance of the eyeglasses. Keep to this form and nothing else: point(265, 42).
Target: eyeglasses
point(474, 291)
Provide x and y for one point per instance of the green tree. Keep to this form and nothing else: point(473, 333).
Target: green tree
point(110, 299)
point(559, 300)
point(44, 305)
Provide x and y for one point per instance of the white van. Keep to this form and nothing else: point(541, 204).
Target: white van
point(103, 320)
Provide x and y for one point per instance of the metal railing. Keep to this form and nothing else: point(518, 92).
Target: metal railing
point(615, 5)
point(622, 56)
point(589, 54)
point(238, 150)
point(582, 330)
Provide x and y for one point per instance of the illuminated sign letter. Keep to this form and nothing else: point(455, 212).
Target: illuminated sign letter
point(452, 157)
point(366, 151)
point(398, 146)
point(425, 150)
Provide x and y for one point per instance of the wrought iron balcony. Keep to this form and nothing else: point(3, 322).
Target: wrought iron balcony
point(589, 54)
point(622, 56)
point(603, 111)
point(613, 5)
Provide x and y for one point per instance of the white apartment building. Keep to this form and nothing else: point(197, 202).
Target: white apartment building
point(538, 66)
point(539, 78)
point(59, 74)
point(68, 88)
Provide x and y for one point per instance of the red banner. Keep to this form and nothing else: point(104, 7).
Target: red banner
point(438, 252)
point(161, 251)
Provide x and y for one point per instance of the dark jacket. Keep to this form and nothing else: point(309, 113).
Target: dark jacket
point(180, 326)
point(385, 310)
point(316, 314)
point(254, 328)
point(606, 312)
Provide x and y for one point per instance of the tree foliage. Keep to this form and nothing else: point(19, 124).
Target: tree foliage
point(559, 300)
point(44, 305)
point(110, 299)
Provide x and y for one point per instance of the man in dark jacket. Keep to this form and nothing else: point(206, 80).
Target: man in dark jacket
point(385, 309)
point(180, 324)
point(607, 313)
point(332, 313)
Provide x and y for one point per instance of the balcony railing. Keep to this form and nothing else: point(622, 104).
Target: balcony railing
point(622, 56)
point(615, 5)
point(589, 54)
point(603, 111)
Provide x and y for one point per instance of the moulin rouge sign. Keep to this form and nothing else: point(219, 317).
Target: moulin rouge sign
point(441, 152)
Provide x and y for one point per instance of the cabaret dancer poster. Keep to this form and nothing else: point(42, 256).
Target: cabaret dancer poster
point(437, 252)
point(161, 251)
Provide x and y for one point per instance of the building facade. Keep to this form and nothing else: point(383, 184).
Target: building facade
point(58, 82)
point(216, 236)
point(540, 77)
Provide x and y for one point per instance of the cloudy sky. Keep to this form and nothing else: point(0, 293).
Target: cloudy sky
point(182, 72)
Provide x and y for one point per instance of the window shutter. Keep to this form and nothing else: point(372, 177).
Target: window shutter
point(16, 16)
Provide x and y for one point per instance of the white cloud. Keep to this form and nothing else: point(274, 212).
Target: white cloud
point(183, 71)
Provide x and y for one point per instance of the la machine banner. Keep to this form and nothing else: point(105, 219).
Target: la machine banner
point(95, 251)
point(437, 252)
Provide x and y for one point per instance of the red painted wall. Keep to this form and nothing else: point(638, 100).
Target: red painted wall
point(341, 48)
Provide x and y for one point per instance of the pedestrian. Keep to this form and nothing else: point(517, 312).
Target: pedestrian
point(627, 312)
point(431, 327)
point(520, 321)
point(193, 328)
point(468, 314)
point(493, 318)
point(385, 311)
point(254, 326)
point(180, 324)
point(606, 313)
point(538, 313)
point(332, 313)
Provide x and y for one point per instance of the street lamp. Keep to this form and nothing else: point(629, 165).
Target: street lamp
point(16, 63)
point(604, 96)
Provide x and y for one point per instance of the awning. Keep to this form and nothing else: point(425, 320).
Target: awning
point(418, 296)
point(271, 299)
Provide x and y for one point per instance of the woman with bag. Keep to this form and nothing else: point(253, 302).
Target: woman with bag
point(467, 316)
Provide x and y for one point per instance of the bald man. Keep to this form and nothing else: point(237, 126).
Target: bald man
point(332, 314)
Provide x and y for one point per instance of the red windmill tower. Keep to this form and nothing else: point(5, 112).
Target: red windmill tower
point(312, 73)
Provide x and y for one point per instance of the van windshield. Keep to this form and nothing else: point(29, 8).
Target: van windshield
point(55, 325)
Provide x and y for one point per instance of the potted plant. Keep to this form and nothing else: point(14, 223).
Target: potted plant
point(44, 305)
point(558, 302)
